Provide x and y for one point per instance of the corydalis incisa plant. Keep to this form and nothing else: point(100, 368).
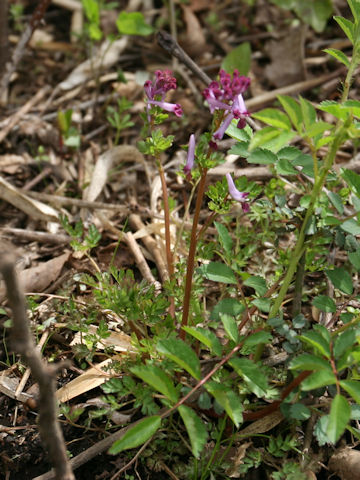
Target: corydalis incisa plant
point(226, 102)
point(156, 143)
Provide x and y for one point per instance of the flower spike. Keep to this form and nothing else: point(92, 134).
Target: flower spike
point(156, 91)
point(226, 95)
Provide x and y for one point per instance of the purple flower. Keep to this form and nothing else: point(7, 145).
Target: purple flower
point(156, 91)
point(218, 135)
point(169, 107)
point(236, 194)
point(227, 95)
point(190, 156)
point(163, 83)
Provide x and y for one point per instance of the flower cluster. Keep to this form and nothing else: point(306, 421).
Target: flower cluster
point(156, 91)
point(226, 95)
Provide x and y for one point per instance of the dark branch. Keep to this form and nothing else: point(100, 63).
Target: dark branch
point(24, 344)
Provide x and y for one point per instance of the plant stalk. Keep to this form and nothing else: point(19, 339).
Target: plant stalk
point(169, 255)
point(192, 251)
point(318, 186)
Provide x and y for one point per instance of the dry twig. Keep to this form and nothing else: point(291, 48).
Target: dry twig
point(24, 40)
point(23, 343)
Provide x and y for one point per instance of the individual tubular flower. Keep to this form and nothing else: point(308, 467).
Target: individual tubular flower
point(236, 194)
point(226, 95)
point(169, 107)
point(156, 91)
point(190, 156)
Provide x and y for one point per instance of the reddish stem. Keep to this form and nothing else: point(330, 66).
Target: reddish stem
point(191, 256)
point(203, 380)
point(276, 405)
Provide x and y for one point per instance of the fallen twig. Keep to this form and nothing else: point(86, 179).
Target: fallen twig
point(23, 343)
point(24, 40)
point(23, 110)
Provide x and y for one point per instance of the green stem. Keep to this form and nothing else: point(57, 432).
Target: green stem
point(318, 186)
point(215, 449)
point(192, 251)
point(295, 257)
point(299, 283)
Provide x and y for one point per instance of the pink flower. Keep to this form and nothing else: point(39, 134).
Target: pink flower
point(190, 156)
point(156, 91)
point(236, 194)
point(227, 95)
point(163, 83)
point(169, 107)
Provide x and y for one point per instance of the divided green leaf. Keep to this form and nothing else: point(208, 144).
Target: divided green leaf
point(137, 435)
point(347, 27)
point(324, 303)
point(157, 379)
point(271, 138)
point(180, 353)
point(354, 258)
point(262, 156)
point(339, 417)
point(207, 337)
point(274, 118)
point(355, 8)
point(238, 58)
point(228, 399)
point(307, 361)
point(292, 108)
point(352, 387)
point(339, 55)
point(318, 379)
point(230, 326)
point(351, 226)
point(195, 429)
point(218, 272)
point(257, 283)
point(352, 179)
point(317, 341)
point(252, 375)
point(257, 338)
point(341, 279)
point(308, 113)
point(224, 237)
point(230, 306)
point(133, 23)
point(343, 341)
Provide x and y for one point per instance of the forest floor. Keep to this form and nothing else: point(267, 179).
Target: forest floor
point(59, 117)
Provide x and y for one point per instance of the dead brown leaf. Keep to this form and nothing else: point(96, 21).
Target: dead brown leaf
point(263, 424)
point(346, 463)
point(30, 206)
point(92, 378)
point(287, 58)
point(237, 460)
point(120, 341)
point(37, 279)
point(194, 43)
point(10, 163)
